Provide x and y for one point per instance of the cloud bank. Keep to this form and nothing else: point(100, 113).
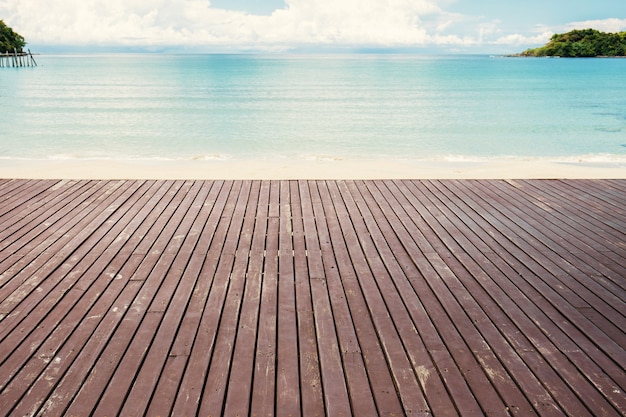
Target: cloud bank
point(301, 23)
point(606, 25)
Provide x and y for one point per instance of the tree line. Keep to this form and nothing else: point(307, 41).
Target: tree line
point(582, 43)
point(9, 40)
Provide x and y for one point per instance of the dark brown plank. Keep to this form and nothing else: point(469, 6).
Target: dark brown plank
point(56, 340)
point(253, 315)
point(359, 389)
point(204, 227)
point(217, 269)
point(175, 291)
point(87, 290)
point(442, 363)
point(21, 247)
point(566, 271)
point(39, 304)
point(451, 297)
point(310, 373)
point(538, 281)
point(407, 384)
point(264, 392)
point(455, 297)
point(287, 398)
point(144, 275)
point(480, 304)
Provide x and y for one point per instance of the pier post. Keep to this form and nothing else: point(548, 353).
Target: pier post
point(17, 59)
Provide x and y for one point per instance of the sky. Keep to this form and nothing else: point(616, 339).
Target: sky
point(446, 26)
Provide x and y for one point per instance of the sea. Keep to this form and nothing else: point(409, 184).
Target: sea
point(313, 107)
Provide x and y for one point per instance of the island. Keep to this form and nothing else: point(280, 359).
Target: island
point(12, 52)
point(582, 44)
point(10, 41)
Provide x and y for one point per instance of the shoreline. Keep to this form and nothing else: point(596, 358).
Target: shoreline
point(309, 169)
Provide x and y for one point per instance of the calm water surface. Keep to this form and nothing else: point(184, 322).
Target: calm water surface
point(290, 106)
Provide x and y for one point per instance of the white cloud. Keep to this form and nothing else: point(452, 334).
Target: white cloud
point(196, 23)
point(605, 25)
point(544, 33)
point(518, 39)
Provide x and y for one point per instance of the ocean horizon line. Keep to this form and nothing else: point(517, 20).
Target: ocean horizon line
point(573, 159)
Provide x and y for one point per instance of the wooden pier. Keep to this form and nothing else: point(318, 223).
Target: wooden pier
point(288, 298)
point(17, 59)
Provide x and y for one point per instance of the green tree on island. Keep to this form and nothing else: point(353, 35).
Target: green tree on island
point(582, 43)
point(9, 40)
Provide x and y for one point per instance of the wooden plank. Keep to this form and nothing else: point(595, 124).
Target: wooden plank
point(83, 361)
point(51, 318)
point(553, 357)
point(590, 369)
point(455, 297)
point(92, 255)
point(264, 393)
point(405, 381)
point(570, 209)
point(217, 268)
point(17, 245)
point(53, 343)
point(569, 217)
point(252, 317)
point(397, 261)
point(557, 235)
point(42, 214)
point(566, 271)
point(205, 225)
point(152, 274)
point(596, 207)
point(18, 193)
point(8, 186)
point(287, 398)
point(31, 269)
point(359, 389)
point(35, 273)
point(556, 302)
point(465, 343)
point(601, 192)
point(214, 395)
point(334, 385)
point(57, 244)
point(484, 313)
point(174, 292)
point(312, 401)
point(99, 377)
point(119, 288)
point(379, 373)
point(20, 196)
point(603, 237)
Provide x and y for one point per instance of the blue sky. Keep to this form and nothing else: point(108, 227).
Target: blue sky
point(485, 26)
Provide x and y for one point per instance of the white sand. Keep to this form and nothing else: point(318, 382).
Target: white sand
point(307, 169)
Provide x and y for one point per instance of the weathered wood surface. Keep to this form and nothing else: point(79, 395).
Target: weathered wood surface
point(313, 298)
point(17, 59)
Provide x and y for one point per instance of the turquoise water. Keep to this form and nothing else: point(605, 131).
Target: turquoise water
point(344, 107)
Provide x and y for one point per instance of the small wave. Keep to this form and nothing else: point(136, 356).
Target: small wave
point(457, 159)
point(128, 158)
point(323, 158)
point(210, 157)
point(472, 159)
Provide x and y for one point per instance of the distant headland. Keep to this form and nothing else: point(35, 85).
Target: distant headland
point(12, 49)
point(582, 44)
point(10, 41)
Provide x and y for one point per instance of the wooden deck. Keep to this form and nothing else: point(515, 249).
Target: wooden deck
point(313, 297)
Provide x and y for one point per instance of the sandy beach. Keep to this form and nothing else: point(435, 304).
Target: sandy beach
point(308, 169)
